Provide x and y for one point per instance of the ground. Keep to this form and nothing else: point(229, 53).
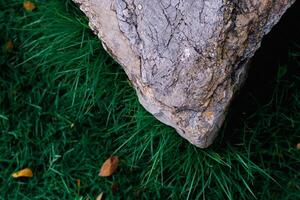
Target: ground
point(66, 106)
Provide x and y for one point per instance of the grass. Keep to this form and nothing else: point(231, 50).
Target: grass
point(66, 106)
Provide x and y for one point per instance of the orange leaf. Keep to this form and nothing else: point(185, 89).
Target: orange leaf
point(109, 166)
point(23, 173)
point(28, 6)
point(99, 197)
point(298, 146)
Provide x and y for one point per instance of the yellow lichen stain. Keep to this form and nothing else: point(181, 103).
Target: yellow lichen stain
point(209, 116)
point(264, 4)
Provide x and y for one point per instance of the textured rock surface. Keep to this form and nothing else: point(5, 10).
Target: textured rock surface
point(185, 58)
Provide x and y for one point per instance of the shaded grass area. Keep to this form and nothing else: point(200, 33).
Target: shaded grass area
point(66, 106)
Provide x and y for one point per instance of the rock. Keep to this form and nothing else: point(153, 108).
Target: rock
point(186, 59)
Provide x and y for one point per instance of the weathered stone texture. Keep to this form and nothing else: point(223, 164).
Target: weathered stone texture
point(185, 58)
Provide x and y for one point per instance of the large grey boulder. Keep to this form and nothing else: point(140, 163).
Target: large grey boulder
point(185, 58)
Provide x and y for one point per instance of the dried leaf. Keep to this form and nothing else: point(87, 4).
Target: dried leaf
point(28, 6)
point(78, 183)
point(23, 173)
point(78, 186)
point(99, 197)
point(115, 187)
point(298, 146)
point(9, 45)
point(109, 166)
point(138, 193)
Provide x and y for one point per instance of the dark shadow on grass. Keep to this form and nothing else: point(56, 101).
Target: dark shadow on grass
point(263, 74)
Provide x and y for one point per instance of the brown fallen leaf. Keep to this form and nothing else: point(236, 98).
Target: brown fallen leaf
point(23, 173)
point(9, 45)
point(115, 187)
point(99, 197)
point(78, 186)
point(109, 166)
point(298, 146)
point(28, 6)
